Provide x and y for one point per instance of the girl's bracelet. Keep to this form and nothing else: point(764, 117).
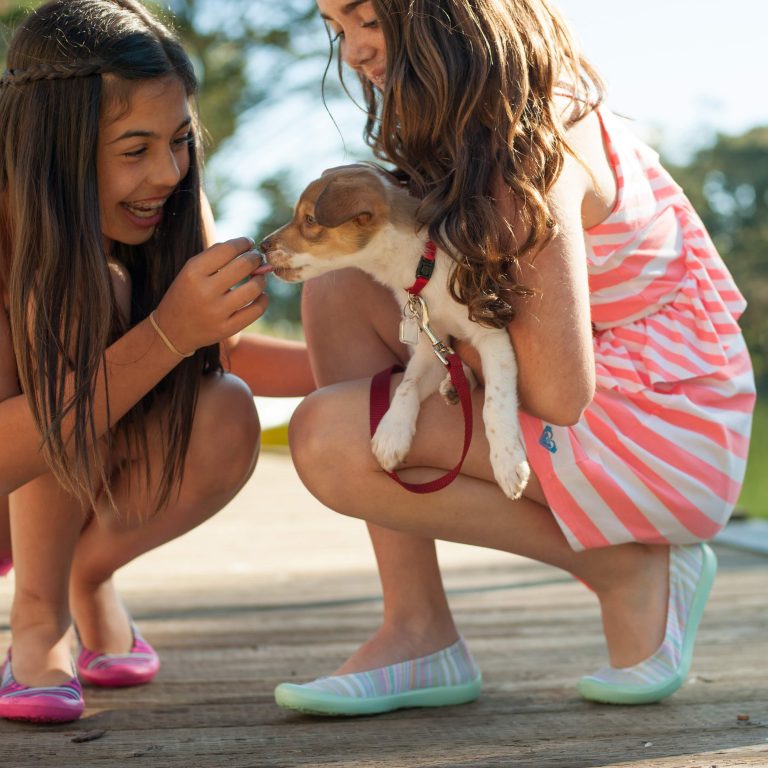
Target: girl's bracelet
point(168, 343)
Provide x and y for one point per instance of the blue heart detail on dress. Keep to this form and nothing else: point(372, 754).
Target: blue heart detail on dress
point(547, 440)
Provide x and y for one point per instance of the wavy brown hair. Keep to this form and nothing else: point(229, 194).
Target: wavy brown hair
point(468, 109)
point(63, 312)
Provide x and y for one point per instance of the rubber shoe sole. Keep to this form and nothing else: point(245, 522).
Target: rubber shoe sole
point(314, 702)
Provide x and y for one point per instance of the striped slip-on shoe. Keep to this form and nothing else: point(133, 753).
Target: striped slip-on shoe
point(47, 704)
point(691, 575)
point(441, 679)
point(119, 670)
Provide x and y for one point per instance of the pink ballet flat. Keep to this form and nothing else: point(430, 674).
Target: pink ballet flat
point(119, 670)
point(6, 564)
point(52, 704)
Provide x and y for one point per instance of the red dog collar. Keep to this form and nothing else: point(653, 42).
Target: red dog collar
point(424, 268)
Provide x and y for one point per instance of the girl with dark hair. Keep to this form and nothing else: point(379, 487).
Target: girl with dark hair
point(635, 384)
point(119, 430)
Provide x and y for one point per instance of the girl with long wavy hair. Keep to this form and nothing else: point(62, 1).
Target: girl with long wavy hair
point(635, 384)
point(119, 430)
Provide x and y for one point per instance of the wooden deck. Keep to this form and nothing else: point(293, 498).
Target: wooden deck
point(278, 588)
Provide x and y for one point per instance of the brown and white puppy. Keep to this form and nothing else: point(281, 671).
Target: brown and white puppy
point(358, 216)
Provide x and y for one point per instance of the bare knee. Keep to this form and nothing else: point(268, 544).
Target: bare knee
point(324, 295)
point(309, 449)
point(347, 299)
point(331, 457)
point(225, 436)
point(315, 294)
point(350, 324)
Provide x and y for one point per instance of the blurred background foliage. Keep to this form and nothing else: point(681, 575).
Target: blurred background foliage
point(251, 54)
point(727, 183)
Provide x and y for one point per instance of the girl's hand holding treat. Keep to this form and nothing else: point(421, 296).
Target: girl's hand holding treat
point(215, 295)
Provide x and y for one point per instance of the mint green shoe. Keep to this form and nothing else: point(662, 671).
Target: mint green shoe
point(441, 679)
point(692, 571)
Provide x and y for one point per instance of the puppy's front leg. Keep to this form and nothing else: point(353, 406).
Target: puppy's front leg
point(394, 435)
point(500, 412)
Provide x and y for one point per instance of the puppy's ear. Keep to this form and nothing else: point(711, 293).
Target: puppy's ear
point(345, 199)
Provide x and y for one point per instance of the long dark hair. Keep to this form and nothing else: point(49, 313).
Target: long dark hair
point(63, 312)
point(468, 111)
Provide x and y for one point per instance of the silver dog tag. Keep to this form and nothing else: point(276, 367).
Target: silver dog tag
point(409, 331)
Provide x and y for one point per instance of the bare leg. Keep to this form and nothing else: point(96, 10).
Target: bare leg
point(350, 329)
point(351, 326)
point(5, 528)
point(9, 387)
point(221, 457)
point(46, 524)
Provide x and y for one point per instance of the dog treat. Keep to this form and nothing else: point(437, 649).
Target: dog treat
point(263, 269)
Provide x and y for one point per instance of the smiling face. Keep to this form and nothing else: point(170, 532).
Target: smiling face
point(143, 154)
point(355, 25)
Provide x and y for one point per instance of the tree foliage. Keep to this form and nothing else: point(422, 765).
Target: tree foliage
point(728, 185)
point(10, 13)
point(245, 54)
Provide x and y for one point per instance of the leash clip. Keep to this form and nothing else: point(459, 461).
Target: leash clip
point(442, 351)
point(418, 307)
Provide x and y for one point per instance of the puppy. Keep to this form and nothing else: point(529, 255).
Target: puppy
point(358, 216)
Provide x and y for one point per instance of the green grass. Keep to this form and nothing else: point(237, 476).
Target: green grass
point(754, 495)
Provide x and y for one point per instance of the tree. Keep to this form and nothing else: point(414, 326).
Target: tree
point(10, 13)
point(245, 52)
point(728, 185)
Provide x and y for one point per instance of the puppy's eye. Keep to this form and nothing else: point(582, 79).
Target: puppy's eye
point(310, 219)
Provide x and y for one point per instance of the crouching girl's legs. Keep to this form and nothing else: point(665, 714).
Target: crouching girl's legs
point(55, 543)
point(330, 430)
point(351, 326)
point(351, 331)
point(222, 455)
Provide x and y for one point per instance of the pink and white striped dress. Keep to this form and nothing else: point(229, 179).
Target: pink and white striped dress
point(659, 455)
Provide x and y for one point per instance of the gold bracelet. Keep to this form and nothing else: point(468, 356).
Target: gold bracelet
point(168, 343)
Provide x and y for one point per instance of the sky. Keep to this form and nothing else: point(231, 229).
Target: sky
point(683, 70)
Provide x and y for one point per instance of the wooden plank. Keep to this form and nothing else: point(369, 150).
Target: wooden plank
point(246, 602)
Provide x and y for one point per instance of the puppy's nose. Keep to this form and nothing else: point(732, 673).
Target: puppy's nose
point(265, 245)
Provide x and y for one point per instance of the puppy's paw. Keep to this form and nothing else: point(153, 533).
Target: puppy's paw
point(391, 442)
point(512, 472)
point(448, 391)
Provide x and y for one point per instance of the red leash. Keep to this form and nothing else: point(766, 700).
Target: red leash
point(379, 398)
